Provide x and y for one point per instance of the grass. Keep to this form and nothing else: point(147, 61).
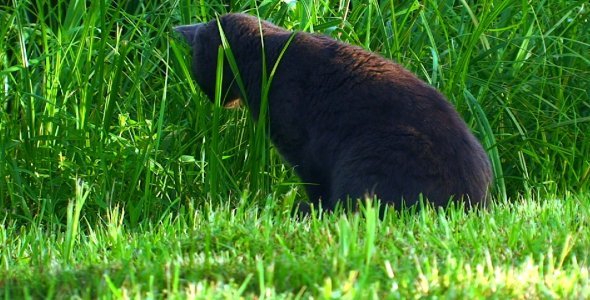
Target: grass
point(119, 178)
point(526, 249)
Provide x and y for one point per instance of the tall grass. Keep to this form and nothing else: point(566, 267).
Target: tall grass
point(98, 95)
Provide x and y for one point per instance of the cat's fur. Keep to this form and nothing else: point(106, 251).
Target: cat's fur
point(350, 122)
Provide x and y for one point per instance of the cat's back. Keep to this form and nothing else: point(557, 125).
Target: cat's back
point(371, 109)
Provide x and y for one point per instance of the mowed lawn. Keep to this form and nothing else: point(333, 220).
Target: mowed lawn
point(528, 249)
point(120, 179)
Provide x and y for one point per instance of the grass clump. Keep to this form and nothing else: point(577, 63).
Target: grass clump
point(101, 92)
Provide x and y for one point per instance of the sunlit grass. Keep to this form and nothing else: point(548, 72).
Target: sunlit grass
point(103, 93)
point(528, 249)
point(119, 178)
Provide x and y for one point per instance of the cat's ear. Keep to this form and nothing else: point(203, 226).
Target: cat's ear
point(189, 32)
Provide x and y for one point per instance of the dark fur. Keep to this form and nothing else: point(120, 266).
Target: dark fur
point(350, 122)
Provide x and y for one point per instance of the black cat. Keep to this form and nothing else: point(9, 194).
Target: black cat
point(350, 122)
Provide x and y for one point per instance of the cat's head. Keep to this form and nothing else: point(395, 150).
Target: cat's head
point(204, 40)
